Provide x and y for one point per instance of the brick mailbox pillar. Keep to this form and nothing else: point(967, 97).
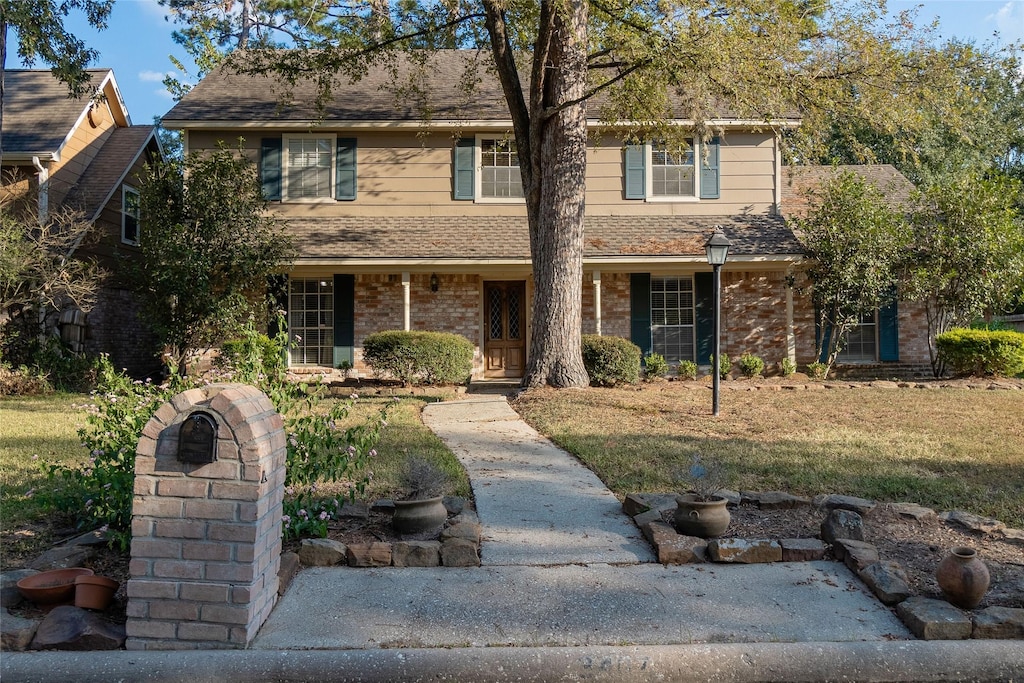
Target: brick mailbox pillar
point(206, 524)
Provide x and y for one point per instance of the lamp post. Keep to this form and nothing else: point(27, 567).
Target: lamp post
point(717, 249)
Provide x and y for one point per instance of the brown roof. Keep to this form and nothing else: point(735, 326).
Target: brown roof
point(438, 86)
point(797, 181)
point(113, 161)
point(38, 114)
point(507, 237)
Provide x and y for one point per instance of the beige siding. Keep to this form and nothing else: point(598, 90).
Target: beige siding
point(402, 173)
point(79, 152)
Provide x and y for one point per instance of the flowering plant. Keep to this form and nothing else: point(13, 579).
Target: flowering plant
point(704, 479)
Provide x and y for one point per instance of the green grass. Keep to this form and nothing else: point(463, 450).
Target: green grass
point(944, 448)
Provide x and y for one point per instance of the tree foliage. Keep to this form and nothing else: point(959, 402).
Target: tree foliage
point(855, 244)
point(207, 248)
point(649, 63)
point(968, 253)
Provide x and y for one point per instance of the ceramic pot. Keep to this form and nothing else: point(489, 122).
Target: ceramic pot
point(94, 592)
point(419, 516)
point(963, 577)
point(706, 519)
point(53, 586)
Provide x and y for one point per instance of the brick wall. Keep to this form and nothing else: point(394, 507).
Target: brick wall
point(206, 538)
point(113, 327)
point(614, 305)
point(754, 315)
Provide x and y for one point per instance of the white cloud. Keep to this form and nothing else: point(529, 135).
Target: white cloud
point(163, 94)
point(155, 76)
point(1009, 21)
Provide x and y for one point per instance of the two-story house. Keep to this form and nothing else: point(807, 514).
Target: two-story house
point(82, 154)
point(413, 221)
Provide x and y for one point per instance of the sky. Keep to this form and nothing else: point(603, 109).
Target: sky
point(137, 42)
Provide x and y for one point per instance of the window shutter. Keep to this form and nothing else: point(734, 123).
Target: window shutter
point(270, 168)
point(344, 318)
point(888, 333)
point(640, 310)
point(704, 302)
point(636, 173)
point(463, 181)
point(345, 171)
point(709, 175)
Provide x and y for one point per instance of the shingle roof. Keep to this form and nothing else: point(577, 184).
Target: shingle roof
point(507, 237)
point(112, 162)
point(38, 114)
point(798, 180)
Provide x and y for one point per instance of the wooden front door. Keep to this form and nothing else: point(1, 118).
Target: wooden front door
point(504, 329)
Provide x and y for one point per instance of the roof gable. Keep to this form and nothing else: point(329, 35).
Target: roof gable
point(798, 181)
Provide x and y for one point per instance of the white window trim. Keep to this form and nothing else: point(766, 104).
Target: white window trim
point(333, 179)
point(478, 175)
point(125, 191)
point(649, 177)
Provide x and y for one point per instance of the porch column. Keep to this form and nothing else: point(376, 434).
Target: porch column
point(790, 334)
point(405, 299)
point(597, 302)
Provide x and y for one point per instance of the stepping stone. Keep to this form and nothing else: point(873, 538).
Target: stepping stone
point(861, 506)
point(999, 622)
point(984, 525)
point(744, 551)
point(887, 580)
point(934, 619)
point(843, 524)
point(73, 628)
point(321, 552)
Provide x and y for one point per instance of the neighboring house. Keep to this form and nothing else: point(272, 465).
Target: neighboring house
point(85, 155)
point(407, 222)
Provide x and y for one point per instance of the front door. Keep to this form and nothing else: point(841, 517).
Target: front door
point(504, 329)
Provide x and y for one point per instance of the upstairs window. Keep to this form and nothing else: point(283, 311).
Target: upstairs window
point(653, 171)
point(308, 168)
point(130, 215)
point(672, 171)
point(308, 163)
point(499, 169)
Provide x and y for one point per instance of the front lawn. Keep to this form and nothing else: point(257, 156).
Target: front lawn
point(943, 448)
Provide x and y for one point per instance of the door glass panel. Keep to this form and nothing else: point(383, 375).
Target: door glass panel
point(495, 323)
point(513, 314)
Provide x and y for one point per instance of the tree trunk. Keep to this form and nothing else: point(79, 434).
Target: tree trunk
point(555, 194)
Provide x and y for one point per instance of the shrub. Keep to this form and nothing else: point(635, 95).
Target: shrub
point(724, 365)
point(982, 352)
point(655, 367)
point(788, 367)
point(750, 365)
point(817, 370)
point(256, 349)
point(610, 360)
point(687, 369)
point(419, 357)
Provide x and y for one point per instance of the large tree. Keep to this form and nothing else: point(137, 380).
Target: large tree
point(651, 63)
point(207, 248)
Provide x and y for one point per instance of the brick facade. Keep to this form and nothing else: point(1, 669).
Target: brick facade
point(206, 538)
point(113, 327)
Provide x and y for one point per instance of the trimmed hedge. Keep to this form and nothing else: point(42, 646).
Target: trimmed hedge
point(419, 357)
point(610, 360)
point(982, 352)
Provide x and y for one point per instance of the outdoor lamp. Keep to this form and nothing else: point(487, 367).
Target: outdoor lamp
point(717, 249)
point(433, 282)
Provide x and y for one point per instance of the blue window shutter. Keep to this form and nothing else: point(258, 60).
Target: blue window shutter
point(640, 310)
point(345, 171)
point(465, 157)
point(636, 172)
point(888, 333)
point(344, 318)
point(704, 301)
point(270, 168)
point(818, 335)
point(710, 185)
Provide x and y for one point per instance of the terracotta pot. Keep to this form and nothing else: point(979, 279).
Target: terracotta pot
point(705, 519)
point(419, 516)
point(51, 587)
point(94, 592)
point(963, 577)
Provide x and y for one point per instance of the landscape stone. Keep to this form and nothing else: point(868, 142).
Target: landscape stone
point(733, 497)
point(985, 525)
point(16, 632)
point(841, 523)
point(468, 516)
point(377, 554)
point(645, 518)
point(289, 568)
point(914, 511)
point(999, 622)
point(930, 619)
point(1011, 535)
point(745, 551)
point(466, 530)
point(321, 552)
point(354, 510)
point(73, 628)
point(682, 550)
point(861, 506)
point(658, 532)
point(385, 505)
point(887, 580)
point(774, 500)
point(637, 503)
point(454, 504)
point(10, 596)
point(458, 552)
point(92, 538)
point(802, 549)
point(65, 556)
point(856, 554)
point(416, 554)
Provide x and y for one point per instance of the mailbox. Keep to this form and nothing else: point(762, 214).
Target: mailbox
point(197, 439)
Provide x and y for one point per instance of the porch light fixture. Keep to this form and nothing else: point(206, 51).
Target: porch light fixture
point(434, 283)
point(717, 250)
